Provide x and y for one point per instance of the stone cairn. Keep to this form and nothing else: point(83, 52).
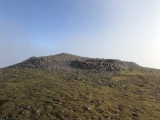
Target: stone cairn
point(72, 62)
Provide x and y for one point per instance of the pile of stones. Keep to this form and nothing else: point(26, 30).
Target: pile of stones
point(72, 62)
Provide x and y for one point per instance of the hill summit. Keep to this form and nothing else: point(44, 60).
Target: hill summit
point(66, 61)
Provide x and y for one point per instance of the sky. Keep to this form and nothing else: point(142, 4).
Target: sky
point(128, 30)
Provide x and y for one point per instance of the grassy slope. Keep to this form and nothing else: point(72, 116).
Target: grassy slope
point(38, 94)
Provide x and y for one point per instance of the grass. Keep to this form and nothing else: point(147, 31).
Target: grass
point(41, 95)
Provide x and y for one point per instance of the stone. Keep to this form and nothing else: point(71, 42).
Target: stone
point(38, 112)
point(59, 103)
point(87, 108)
point(28, 107)
point(92, 101)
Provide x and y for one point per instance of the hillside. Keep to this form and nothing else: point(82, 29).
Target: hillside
point(70, 87)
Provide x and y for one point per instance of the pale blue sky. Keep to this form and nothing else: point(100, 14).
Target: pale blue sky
point(128, 30)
